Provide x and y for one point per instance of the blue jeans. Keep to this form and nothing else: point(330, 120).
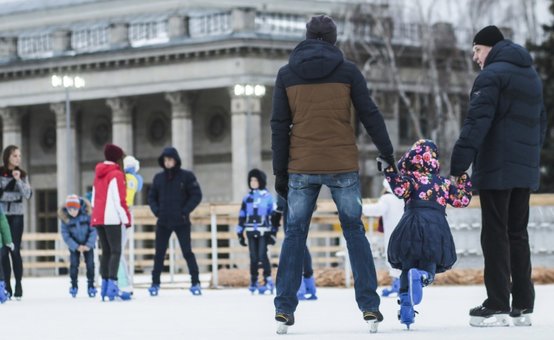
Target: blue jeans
point(301, 200)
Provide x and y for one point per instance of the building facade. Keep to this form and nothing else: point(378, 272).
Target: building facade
point(165, 72)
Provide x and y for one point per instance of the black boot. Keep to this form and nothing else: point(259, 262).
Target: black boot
point(18, 290)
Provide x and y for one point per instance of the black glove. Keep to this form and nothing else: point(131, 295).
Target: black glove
point(271, 238)
point(276, 219)
point(282, 185)
point(384, 162)
point(242, 240)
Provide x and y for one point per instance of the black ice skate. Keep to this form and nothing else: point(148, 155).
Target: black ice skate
point(521, 317)
point(373, 319)
point(482, 316)
point(284, 320)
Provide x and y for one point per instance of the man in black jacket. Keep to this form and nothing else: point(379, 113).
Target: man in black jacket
point(502, 136)
point(172, 198)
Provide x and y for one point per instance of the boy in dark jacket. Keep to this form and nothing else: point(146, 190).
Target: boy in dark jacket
point(174, 194)
point(80, 237)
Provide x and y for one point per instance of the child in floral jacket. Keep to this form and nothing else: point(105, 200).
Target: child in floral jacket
point(422, 244)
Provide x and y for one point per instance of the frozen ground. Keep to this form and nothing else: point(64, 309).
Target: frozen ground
point(48, 312)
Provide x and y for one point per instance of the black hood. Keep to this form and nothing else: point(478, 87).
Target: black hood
point(260, 176)
point(315, 59)
point(170, 152)
point(507, 51)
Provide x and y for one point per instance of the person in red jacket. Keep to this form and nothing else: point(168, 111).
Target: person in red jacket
point(109, 212)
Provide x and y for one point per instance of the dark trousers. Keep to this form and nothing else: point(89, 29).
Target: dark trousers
point(16, 228)
point(1, 270)
point(257, 247)
point(74, 259)
point(110, 242)
point(429, 267)
point(162, 240)
point(505, 244)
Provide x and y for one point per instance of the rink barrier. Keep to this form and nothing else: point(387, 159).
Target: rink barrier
point(328, 247)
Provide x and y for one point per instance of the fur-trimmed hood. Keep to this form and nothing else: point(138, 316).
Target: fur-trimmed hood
point(86, 208)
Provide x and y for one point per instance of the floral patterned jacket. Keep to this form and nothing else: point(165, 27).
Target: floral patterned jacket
point(419, 178)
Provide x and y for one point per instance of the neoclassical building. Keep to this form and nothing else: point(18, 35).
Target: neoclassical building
point(165, 72)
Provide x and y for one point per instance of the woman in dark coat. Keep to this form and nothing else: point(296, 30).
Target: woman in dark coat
point(422, 245)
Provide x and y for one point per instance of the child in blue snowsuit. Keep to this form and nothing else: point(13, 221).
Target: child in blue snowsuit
point(255, 219)
point(422, 244)
point(80, 238)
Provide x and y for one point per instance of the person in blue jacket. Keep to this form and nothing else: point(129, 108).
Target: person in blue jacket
point(502, 136)
point(422, 244)
point(80, 238)
point(255, 220)
point(174, 194)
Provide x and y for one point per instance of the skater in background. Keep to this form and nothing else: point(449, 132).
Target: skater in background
point(422, 244)
point(313, 144)
point(109, 213)
point(5, 241)
point(255, 220)
point(174, 194)
point(307, 290)
point(390, 208)
point(134, 183)
point(502, 135)
point(80, 238)
point(14, 187)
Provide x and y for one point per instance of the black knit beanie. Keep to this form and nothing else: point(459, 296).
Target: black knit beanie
point(488, 36)
point(322, 27)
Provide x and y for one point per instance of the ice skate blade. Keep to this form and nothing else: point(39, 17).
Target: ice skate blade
point(497, 320)
point(282, 328)
point(523, 320)
point(373, 325)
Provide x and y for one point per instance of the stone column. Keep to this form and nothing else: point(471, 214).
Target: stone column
point(181, 126)
point(67, 178)
point(11, 126)
point(246, 140)
point(122, 126)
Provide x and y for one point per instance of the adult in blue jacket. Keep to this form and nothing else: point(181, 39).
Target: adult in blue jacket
point(502, 136)
point(174, 194)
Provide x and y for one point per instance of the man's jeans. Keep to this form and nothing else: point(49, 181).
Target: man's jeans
point(302, 196)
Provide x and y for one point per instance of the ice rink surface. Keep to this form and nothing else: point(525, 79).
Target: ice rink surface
point(47, 311)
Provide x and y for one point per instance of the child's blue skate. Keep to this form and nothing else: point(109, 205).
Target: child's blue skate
point(3, 293)
point(406, 314)
point(195, 289)
point(91, 291)
point(394, 288)
point(253, 286)
point(268, 287)
point(154, 290)
point(73, 291)
point(417, 279)
point(310, 288)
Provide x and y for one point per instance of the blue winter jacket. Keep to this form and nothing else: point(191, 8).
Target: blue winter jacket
point(77, 230)
point(174, 192)
point(255, 212)
point(505, 127)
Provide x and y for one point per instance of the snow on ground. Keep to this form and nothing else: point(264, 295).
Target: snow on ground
point(48, 312)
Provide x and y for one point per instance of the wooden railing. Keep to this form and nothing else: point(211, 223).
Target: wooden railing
point(326, 241)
